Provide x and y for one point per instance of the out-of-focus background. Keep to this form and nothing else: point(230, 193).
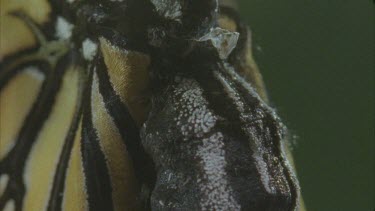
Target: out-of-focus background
point(317, 59)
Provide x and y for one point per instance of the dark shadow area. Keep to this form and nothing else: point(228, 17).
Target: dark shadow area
point(317, 59)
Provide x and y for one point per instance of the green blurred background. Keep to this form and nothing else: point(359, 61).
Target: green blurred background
point(317, 59)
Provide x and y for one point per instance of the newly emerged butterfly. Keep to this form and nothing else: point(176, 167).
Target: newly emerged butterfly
point(136, 105)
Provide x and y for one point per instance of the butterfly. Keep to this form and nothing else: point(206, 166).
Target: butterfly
point(136, 105)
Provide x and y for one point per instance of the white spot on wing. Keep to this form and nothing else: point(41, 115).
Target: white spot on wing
point(213, 184)
point(10, 206)
point(35, 73)
point(3, 183)
point(63, 29)
point(89, 49)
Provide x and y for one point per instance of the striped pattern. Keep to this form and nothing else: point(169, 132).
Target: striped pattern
point(11, 26)
point(44, 155)
point(14, 109)
point(74, 196)
point(66, 147)
point(73, 119)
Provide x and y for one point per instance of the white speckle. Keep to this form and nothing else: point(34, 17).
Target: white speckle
point(193, 117)
point(259, 48)
point(89, 49)
point(169, 177)
point(3, 183)
point(170, 9)
point(70, 1)
point(63, 29)
point(161, 203)
point(35, 73)
point(213, 183)
point(223, 40)
point(10, 206)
